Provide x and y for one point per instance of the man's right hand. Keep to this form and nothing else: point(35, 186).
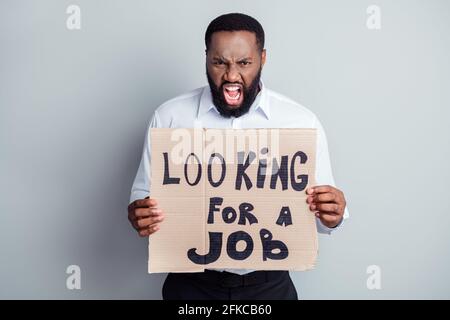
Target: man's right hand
point(145, 216)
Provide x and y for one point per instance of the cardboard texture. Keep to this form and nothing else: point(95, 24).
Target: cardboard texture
point(231, 212)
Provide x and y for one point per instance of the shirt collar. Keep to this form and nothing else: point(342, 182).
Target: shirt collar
point(260, 104)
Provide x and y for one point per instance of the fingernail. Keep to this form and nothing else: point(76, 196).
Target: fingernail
point(317, 214)
point(313, 207)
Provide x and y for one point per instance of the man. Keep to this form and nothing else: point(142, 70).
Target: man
point(235, 98)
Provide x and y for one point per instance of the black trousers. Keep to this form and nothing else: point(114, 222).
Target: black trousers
point(215, 285)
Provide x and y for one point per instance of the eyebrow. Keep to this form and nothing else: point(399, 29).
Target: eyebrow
point(217, 58)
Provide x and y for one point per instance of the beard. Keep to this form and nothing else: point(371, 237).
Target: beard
point(219, 101)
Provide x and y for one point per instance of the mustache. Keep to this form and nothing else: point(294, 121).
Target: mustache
point(235, 83)
point(249, 92)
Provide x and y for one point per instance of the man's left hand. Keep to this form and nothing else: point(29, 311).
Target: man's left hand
point(327, 203)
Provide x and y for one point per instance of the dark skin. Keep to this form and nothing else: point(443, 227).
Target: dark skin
point(145, 216)
point(327, 203)
point(235, 57)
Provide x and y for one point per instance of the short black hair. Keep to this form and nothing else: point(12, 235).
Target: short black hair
point(235, 22)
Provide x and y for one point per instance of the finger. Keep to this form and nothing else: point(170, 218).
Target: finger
point(140, 203)
point(323, 189)
point(152, 203)
point(151, 226)
point(328, 219)
point(148, 231)
point(147, 212)
point(145, 203)
point(140, 224)
point(134, 224)
point(327, 207)
point(325, 197)
point(144, 223)
point(138, 213)
point(309, 199)
point(310, 190)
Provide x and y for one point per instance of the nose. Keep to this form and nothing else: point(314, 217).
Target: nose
point(232, 74)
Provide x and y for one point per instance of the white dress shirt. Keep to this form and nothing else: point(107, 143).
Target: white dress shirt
point(269, 110)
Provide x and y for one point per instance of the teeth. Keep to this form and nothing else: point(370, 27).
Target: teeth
point(232, 88)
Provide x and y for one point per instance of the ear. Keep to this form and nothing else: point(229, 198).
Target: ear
point(263, 57)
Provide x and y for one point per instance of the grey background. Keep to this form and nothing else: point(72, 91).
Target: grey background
point(74, 106)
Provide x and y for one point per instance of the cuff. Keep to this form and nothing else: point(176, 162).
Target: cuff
point(136, 195)
point(321, 228)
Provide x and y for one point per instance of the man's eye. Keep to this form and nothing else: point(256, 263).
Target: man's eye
point(218, 63)
point(244, 63)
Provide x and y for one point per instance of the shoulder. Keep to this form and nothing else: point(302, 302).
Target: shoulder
point(184, 105)
point(287, 108)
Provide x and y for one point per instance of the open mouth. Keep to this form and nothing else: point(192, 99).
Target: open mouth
point(234, 94)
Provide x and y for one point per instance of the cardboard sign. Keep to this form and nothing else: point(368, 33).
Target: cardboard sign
point(233, 199)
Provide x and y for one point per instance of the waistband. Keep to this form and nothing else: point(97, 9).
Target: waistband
point(232, 280)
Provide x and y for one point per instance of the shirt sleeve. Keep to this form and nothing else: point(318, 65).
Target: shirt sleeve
point(324, 174)
point(141, 184)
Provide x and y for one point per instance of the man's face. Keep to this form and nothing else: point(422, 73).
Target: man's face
point(233, 67)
